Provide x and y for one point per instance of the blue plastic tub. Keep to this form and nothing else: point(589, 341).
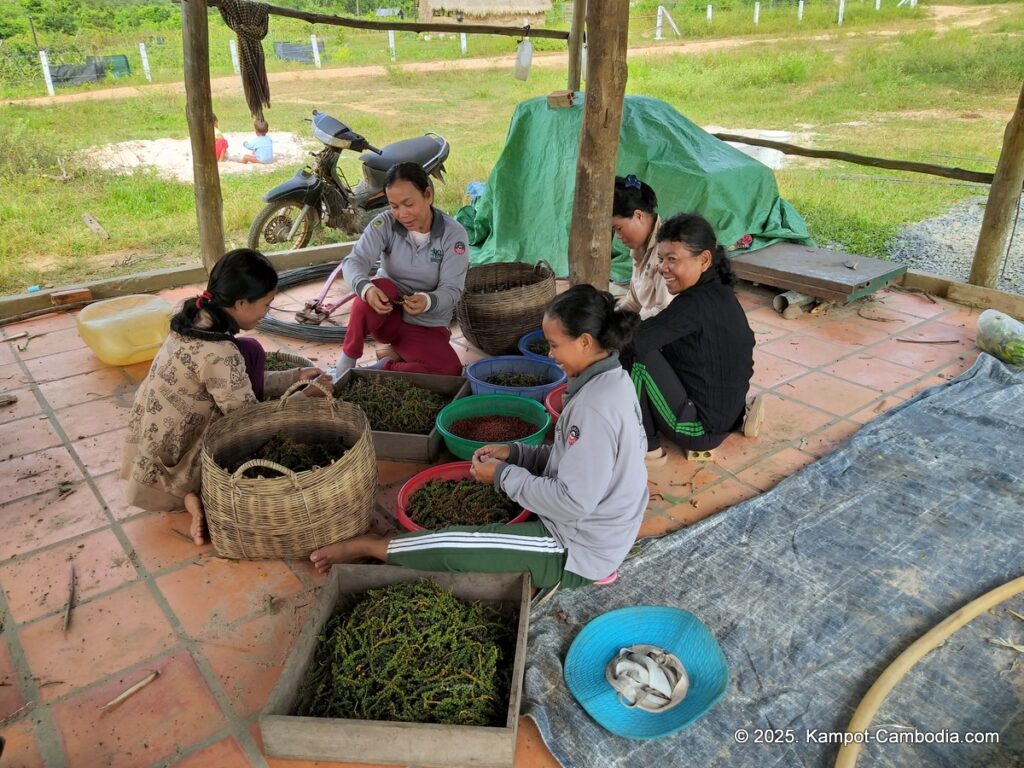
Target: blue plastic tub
point(532, 338)
point(478, 373)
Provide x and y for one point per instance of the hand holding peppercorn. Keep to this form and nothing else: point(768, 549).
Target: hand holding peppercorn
point(486, 461)
point(378, 300)
point(416, 304)
point(500, 451)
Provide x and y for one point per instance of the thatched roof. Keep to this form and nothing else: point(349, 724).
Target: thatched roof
point(472, 8)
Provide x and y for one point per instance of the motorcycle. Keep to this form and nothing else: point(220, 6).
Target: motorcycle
point(322, 194)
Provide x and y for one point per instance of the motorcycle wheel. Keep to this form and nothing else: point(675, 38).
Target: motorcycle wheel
point(270, 228)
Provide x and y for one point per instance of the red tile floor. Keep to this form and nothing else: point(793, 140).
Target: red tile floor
point(149, 600)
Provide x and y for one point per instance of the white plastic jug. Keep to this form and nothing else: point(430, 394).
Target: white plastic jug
point(524, 58)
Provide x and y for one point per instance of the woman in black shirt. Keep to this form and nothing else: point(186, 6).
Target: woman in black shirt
point(691, 363)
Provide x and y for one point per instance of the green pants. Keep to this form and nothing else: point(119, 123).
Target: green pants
point(493, 548)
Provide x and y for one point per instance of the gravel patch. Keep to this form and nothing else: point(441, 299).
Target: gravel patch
point(945, 245)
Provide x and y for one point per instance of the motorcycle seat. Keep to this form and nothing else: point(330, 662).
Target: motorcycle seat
point(425, 150)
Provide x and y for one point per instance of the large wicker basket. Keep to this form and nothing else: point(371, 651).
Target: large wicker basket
point(290, 515)
point(501, 302)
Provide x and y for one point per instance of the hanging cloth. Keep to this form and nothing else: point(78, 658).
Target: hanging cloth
point(250, 21)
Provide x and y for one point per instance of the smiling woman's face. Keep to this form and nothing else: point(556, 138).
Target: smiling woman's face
point(410, 206)
point(680, 267)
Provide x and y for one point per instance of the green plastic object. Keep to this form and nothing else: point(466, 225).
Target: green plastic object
point(525, 210)
point(490, 405)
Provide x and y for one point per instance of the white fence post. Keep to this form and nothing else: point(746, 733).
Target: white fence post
point(757, 12)
point(234, 56)
point(145, 62)
point(657, 24)
point(391, 43)
point(462, 42)
point(800, 11)
point(316, 51)
point(46, 72)
point(842, 8)
point(709, 14)
point(878, 5)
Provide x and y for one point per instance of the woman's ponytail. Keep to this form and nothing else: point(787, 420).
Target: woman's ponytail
point(242, 274)
point(584, 309)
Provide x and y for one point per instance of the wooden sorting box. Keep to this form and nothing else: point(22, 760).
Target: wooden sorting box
point(403, 446)
point(369, 741)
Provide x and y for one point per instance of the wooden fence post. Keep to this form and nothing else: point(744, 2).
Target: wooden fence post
point(1003, 199)
point(579, 16)
point(199, 113)
point(590, 233)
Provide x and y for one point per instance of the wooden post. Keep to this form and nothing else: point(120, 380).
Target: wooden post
point(199, 113)
point(1003, 199)
point(579, 15)
point(590, 235)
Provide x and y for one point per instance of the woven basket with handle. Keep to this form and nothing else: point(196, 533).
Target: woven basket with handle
point(297, 512)
point(503, 301)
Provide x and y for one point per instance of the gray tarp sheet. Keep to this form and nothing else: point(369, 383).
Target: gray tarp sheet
point(813, 588)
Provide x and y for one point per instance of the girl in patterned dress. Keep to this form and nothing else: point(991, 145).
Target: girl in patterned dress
point(202, 372)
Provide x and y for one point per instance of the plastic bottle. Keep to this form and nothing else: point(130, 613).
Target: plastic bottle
point(1002, 336)
point(524, 58)
point(127, 329)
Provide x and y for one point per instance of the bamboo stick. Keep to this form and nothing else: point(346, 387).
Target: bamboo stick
point(71, 598)
point(117, 700)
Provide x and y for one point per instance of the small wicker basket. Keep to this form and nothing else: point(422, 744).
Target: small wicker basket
point(503, 301)
point(295, 361)
point(291, 515)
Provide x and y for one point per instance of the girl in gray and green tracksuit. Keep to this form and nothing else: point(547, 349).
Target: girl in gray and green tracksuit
point(588, 489)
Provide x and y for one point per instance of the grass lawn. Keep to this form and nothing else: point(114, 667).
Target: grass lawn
point(934, 96)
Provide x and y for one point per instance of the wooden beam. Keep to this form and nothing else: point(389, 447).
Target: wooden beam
point(969, 295)
point(20, 305)
point(590, 234)
point(986, 298)
point(406, 26)
point(576, 35)
point(876, 162)
point(1003, 199)
point(199, 112)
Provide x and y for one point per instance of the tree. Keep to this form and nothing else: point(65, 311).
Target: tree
point(12, 21)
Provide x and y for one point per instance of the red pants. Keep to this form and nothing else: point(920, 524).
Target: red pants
point(423, 350)
point(220, 148)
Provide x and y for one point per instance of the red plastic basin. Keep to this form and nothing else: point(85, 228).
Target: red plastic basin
point(456, 470)
point(553, 402)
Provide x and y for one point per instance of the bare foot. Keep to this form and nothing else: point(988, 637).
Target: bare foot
point(350, 551)
point(195, 508)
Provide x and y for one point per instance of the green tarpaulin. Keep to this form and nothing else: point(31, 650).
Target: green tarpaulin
point(525, 210)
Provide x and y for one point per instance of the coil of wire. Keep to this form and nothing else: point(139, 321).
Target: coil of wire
point(295, 330)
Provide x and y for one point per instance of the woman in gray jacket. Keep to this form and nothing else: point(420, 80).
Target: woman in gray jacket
point(588, 489)
point(424, 256)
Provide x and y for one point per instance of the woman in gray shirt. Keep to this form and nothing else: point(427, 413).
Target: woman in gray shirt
point(424, 257)
point(588, 489)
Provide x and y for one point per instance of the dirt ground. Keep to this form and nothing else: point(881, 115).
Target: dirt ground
point(942, 17)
